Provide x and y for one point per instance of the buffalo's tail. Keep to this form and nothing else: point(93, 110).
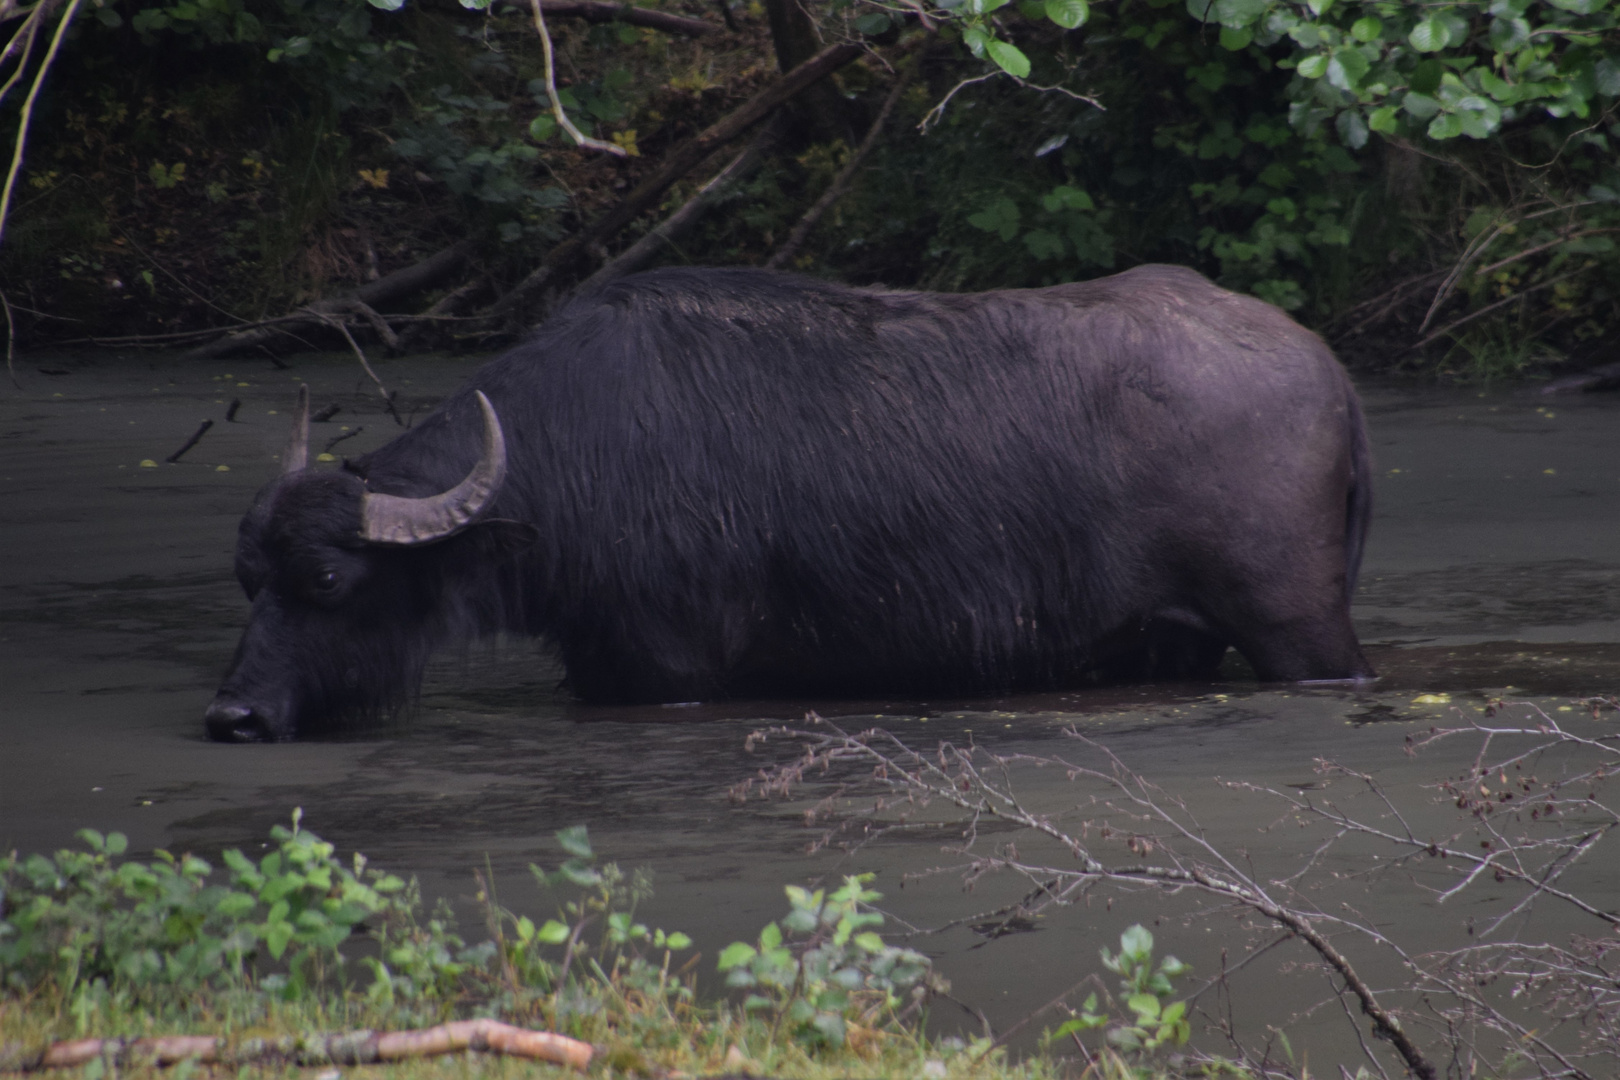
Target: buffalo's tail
point(1358, 508)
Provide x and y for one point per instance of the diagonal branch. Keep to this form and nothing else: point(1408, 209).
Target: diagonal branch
point(842, 182)
point(676, 164)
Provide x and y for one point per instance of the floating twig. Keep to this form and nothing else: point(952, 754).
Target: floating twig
point(327, 413)
point(230, 410)
point(196, 437)
point(343, 1048)
point(334, 440)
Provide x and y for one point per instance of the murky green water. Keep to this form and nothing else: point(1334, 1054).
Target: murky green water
point(1493, 567)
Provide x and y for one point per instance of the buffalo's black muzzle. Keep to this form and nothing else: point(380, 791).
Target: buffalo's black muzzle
point(229, 721)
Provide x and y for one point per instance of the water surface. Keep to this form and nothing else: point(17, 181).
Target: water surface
point(1493, 569)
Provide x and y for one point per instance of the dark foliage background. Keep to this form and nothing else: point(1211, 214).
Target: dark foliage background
point(1435, 187)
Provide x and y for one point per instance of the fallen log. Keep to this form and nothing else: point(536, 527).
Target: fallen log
point(680, 161)
point(1604, 377)
point(401, 283)
point(344, 1048)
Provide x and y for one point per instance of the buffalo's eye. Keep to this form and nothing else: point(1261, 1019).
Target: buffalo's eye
point(326, 581)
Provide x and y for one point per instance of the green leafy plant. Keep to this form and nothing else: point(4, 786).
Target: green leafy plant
point(90, 930)
point(627, 952)
point(825, 966)
point(1154, 1021)
point(85, 923)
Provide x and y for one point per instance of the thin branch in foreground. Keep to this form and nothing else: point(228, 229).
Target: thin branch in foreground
point(28, 108)
point(359, 353)
point(937, 113)
point(953, 777)
point(557, 110)
point(1472, 1001)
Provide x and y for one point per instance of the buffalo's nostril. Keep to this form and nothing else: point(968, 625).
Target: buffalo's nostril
point(230, 722)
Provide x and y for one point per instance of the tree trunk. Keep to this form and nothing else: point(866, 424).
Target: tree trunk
point(820, 111)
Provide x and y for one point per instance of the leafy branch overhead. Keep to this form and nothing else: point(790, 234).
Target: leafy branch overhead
point(1435, 70)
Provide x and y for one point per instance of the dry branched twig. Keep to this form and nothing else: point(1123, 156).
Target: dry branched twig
point(1555, 1007)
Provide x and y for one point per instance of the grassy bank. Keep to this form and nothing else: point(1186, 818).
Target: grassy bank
point(275, 955)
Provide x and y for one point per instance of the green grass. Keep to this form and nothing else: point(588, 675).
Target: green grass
point(300, 943)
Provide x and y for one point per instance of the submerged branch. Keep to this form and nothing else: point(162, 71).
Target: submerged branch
point(196, 437)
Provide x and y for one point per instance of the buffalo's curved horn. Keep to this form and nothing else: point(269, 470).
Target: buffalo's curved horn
point(296, 456)
point(392, 519)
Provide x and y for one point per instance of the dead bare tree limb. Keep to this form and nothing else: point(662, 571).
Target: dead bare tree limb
point(395, 286)
point(42, 12)
point(1529, 811)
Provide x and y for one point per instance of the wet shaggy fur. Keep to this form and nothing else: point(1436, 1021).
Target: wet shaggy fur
point(737, 482)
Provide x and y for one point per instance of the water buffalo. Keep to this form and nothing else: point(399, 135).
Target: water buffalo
point(697, 483)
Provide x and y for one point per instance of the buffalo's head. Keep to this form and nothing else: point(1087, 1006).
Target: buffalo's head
point(346, 586)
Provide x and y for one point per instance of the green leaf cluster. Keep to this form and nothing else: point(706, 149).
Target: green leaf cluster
point(82, 921)
point(1153, 1021)
point(1432, 70)
point(824, 966)
point(90, 930)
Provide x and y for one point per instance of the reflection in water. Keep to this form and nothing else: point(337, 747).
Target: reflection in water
point(118, 612)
